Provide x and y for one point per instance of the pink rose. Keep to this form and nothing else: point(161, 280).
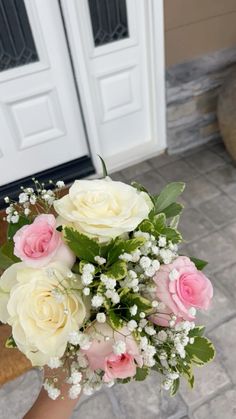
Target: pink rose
point(39, 243)
point(182, 288)
point(101, 354)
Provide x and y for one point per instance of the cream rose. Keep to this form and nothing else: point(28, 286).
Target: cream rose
point(103, 208)
point(35, 302)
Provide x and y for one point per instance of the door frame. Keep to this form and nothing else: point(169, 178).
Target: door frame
point(156, 54)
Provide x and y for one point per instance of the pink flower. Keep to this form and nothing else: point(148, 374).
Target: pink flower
point(101, 354)
point(39, 243)
point(182, 288)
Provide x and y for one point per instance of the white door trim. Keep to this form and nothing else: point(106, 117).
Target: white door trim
point(155, 18)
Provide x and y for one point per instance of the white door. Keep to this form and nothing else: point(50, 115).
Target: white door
point(40, 121)
point(118, 52)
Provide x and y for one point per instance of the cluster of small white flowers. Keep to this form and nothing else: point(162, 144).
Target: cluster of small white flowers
point(54, 362)
point(53, 392)
point(79, 338)
point(119, 347)
point(110, 283)
point(97, 301)
point(148, 352)
point(100, 260)
point(113, 296)
point(101, 317)
point(133, 310)
point(12, 214)
point(87, 274)
point(131, 281)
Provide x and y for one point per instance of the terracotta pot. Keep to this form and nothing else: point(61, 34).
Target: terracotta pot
point(227, 113)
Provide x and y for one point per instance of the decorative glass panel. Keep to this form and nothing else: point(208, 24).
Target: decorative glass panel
point(109, 20)
point(17, 46)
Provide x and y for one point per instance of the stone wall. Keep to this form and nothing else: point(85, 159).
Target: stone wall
point(192, 89)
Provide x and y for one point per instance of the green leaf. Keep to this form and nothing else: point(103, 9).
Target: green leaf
point(13, 228)
point(201, 351)
point(175, 222)
point(118, 270)
point(159, 222)
point(142, 303)
point(104, 169)
point(188, 373)
point(114, 319)
point(10, 343)
point(139, 187)
point(146, 226)
point(172, 234)
point(197, 331)
point(123, 246)
point(168, 195)
point(141, 374)
point(7, 257)
point(173, 209)
point(199, 263)
point(82, 246)
point(175, 387)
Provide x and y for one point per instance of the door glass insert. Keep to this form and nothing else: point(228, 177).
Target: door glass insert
point(17, 45)
point(109, 20)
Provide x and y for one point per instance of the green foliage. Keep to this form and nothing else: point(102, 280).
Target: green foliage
point(173, 209)
point(142, 303)
point(159, 223)
point(141, 374)
point(123, 246)
point(82, 246)
point(10, 343)
point(13, 228)
point(117, 271)
point(7, 257)
point(197, 331)
point(201, 351)
point(147, 227)
point(199, 263)
point(175, 387)
point(115, 319)
point(104, 168)
point(168, 196)
point(139, 187)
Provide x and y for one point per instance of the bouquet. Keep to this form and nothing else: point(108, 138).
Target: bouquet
point(93, 283)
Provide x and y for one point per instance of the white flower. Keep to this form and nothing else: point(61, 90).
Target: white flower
point(74, 391)
point(97, 301)
point(23, 197)
point(191, 341)
point(136, 255)
point(142, 315)
point(38, 334)
point(166, 255)
point(133, 310)
point(90, 201)
point(156, 264)
point(86, 291)
point(143, 343)
point(173, 375)
point(150, 272)
point(119, 347)
point(174, 275)
point(101, 317)
point(53, 392)
point(166, 384)
point(7, 199)
point(89, 268)
point(162, 336)
point(86, 278)
point(15, 219)
point(145, 262)
point(33, 199)
point(100, 260)
point(132, 325)
point(155, 250)
point(75, 377)
point(192, 311)
point(110, 283)
point(54, 362)
point(127, 257)
point(155, 303)
point(74, 337)
point(60, 184)
point(27, 211)
point(113, 295)
point(162, 241)
point(150, 330)
point(82, 360)
point(88, 390)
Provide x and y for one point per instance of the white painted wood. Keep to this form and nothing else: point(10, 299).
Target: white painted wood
point(40, 119)
point(121, 84)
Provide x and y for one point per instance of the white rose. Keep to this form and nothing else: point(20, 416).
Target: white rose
point(103, 208)
point(41, 317)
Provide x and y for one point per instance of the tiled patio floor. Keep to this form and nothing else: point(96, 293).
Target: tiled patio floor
point(209, 227)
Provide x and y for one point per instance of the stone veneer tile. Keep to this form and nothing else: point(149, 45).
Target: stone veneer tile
point(208, 380)
point(222, 406)
point(216, 248)
point(220, 210)
point(224, 340)
point(141, 400)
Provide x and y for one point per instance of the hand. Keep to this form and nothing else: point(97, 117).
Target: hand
point(44, 407)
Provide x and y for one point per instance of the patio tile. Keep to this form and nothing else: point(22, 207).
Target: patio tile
point(205, 160)
point(132, 172)
point(179, 170)
point(230, 232)
point(141, 400)
point(208, 380)
point(118, 176)
point(224, 340)
point(152, 181)
point(162, 160)
point(216, 248)
point(194, 225)
point(220, 210)
point(221, 151)
point(221, 309)
point(199, 190)
point(227, 280)
point(224, 177)
point(97, 405)
point(222, 406)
